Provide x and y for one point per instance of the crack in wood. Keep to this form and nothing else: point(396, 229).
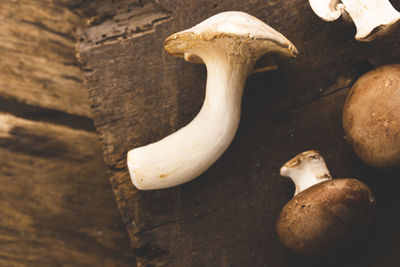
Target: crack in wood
point(35, 113)
point(42, 26)
point(315, 99)
point(142, 231)
point(133, 19)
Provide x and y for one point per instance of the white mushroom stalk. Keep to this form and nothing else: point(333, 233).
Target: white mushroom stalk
point(305, 170)
point(328, 10)
point(372, 18)
point(229, 44)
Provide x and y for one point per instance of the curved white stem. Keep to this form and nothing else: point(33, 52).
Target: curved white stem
point(187, 153)
point(328, 10)
point(306, 170)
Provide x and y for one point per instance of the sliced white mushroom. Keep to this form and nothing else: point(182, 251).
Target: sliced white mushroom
point(372, 18)
point(229, 44)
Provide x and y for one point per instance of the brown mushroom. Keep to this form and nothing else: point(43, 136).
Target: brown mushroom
point(371, 117)
point(325, 215)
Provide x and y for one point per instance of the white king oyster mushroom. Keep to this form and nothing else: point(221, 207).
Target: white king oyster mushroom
point(229, 44)
point(372, 18)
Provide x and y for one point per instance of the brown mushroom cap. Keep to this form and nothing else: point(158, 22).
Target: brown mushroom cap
point(326, 217)
point(371, 117)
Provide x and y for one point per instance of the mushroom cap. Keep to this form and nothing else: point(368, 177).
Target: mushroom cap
point(237, 26)
point(326, 218)
point(300, 159)
point(371, 117)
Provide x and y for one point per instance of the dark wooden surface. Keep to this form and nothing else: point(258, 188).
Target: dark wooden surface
point(56, 203)
point(226, 217)
point(38, 65)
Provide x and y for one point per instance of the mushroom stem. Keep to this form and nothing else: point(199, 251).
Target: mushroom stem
point(328, 10)
point(306, 170)
point(185, 154)
point(372, 18)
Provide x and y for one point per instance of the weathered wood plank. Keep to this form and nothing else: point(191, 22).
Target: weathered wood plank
point(56, 205)
point(226, 217)
point(38, 66)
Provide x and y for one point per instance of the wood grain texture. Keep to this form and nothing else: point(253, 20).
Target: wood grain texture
point(226, 217)
point(56, 205)
point(38, 66)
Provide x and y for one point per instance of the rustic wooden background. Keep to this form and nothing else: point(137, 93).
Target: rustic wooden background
point(139, 94)
point(56, 203)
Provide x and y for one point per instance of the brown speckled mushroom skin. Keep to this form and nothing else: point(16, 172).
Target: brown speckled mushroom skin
point(371, 117)
point(326, 218)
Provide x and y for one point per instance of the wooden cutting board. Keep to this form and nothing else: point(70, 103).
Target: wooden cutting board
point(139, 94)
